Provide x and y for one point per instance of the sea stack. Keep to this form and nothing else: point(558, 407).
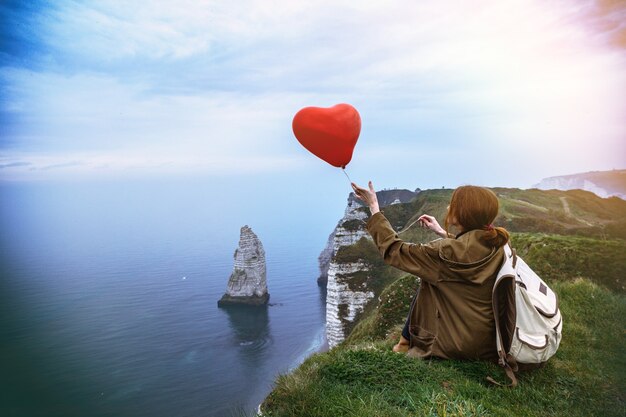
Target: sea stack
point(248, 282)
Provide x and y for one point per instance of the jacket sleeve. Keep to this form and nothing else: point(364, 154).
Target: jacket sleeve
point(421, 260)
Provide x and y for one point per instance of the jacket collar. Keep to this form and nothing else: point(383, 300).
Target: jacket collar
point(461, 234)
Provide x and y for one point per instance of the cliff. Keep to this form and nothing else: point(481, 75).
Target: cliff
point(347, 289)
point(248, 282)
point(602, 183)
point(348, 230)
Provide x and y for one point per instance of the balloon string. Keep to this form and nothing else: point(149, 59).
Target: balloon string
point(408, 227)
point(344, 171)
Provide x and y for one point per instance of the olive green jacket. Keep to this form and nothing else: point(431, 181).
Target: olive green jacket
point(453, 314)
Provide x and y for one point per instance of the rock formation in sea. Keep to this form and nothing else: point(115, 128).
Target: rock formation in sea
point(248, 282)
point(346, 291)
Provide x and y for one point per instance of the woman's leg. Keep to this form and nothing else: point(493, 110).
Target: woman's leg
point(403, 344)
point(405, 331)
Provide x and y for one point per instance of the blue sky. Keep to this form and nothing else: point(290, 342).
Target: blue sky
point(493, 92)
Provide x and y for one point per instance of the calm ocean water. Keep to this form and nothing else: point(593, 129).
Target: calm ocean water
point(109, 299)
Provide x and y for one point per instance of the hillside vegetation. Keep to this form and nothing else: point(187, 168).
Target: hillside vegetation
point(573, 239)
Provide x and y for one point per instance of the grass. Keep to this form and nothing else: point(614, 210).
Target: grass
point(365, 378)
point(569, 257)
point(392, 308)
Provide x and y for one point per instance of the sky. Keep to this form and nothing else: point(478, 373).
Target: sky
point(493, 92)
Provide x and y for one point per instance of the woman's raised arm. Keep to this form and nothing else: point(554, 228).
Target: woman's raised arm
point(417, 259)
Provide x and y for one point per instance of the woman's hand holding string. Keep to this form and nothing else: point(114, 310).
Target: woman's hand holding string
point(431, 223)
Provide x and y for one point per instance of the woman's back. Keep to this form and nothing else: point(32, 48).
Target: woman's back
point(452, 316)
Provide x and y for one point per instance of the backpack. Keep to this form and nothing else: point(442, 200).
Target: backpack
point(527, 317)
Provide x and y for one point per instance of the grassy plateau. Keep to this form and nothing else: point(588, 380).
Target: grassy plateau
point(573, 239)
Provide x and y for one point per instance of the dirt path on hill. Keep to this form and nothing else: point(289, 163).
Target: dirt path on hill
point(531, 205)
point(568, 211)
point(566, 208)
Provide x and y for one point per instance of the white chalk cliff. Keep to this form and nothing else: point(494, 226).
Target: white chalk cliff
point(343, 303)
point(349, 230)
point(346, 289)
point(602, 183)
point(248, 282)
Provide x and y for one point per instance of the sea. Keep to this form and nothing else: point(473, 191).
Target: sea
point(109, 290)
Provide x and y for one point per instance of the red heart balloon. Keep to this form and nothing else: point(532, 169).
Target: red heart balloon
point(329, 133)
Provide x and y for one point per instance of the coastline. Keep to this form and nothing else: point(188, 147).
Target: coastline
point(318, 345)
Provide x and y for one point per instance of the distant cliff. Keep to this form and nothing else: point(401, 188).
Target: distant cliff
point(603, 183)
point(248, 282)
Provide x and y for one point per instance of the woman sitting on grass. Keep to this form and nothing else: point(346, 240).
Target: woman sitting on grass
point(452, 315)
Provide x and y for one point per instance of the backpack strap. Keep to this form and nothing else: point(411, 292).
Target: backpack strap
point(510, 373)
point(507, 270)
point(513, 255)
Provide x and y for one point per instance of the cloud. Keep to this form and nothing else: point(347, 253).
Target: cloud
point(86, 112)
point(61, 165)
point(15, 165)
point(92, 165)
point(113, 30)
point(170, 82)
point(606, 19)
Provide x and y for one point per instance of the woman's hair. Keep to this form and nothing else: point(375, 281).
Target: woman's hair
point(476, 208)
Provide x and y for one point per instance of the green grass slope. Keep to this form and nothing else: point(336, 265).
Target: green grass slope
point(363, 377)
point(573, 212)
